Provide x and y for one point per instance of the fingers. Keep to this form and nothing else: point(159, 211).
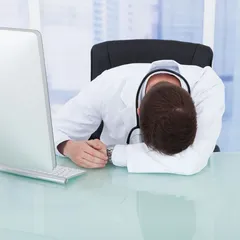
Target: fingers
point(93, 159)
point(100, 153)
point(87, 164)
point(82, 162)
point(97, 144)
point(88, 161)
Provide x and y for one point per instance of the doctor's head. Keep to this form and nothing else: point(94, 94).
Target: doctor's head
point(167, 115)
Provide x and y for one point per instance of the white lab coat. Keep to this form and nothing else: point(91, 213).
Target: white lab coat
point(111, 98)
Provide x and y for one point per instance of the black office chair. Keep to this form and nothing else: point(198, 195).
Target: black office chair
point(111, 54)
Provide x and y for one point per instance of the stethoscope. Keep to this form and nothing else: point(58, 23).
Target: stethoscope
point(135, 132)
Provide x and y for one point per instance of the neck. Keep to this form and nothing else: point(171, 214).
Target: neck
point(162, 77)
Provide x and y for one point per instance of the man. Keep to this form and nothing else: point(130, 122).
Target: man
point(178, 109)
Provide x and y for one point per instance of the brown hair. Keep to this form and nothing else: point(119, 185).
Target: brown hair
point(168, 119)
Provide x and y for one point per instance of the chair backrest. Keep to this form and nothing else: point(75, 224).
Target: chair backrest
point(111, 54)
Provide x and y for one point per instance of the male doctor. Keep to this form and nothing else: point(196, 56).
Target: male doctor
point(162, 117)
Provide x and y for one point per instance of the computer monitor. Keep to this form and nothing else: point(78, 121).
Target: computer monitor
point(26, 135)
point(26, 138)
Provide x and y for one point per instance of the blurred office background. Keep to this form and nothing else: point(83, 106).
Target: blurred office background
point(71, 27)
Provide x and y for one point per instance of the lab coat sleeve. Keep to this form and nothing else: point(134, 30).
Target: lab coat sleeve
point(81, 116)
point(210, 106)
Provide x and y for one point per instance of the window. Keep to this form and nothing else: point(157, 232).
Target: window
point(14, 13)
point(70, 28)
point(67, 35)
point(227, 65)
point(178, 20)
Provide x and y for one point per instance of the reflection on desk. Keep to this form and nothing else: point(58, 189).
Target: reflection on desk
point(112, 204)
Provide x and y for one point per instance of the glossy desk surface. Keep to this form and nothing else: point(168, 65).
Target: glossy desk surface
point(112, 204)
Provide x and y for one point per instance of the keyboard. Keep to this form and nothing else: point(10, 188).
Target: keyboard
point(66, 172)
point(59, 174)
point(63, 174)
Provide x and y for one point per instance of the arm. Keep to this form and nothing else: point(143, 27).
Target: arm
point(209, 101)
point(81, 116)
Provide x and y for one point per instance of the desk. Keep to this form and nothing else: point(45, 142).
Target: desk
point(112, 204)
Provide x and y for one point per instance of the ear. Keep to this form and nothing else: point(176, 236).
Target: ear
point(138, 111)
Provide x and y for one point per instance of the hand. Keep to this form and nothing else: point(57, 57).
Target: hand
point(87, 154)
